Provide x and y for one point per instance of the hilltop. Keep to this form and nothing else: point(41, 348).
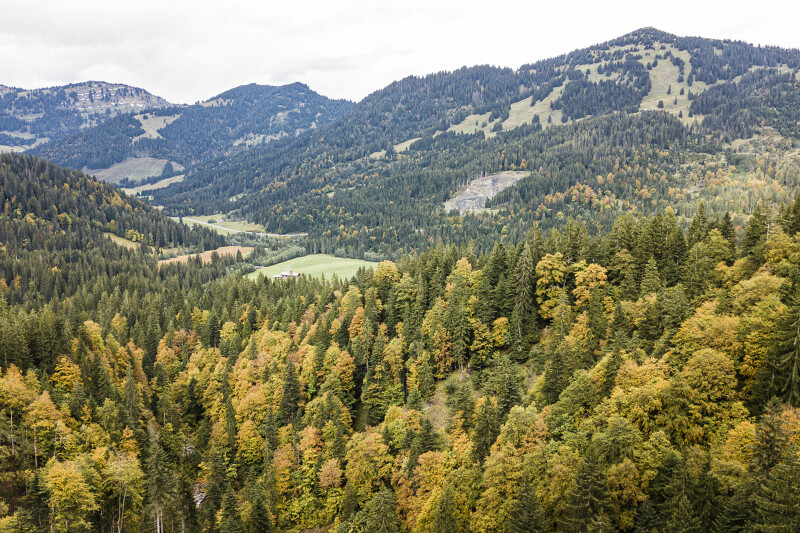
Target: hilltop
point(31, 117)
point(599, 331)
point(135, 146)
point(635, 123)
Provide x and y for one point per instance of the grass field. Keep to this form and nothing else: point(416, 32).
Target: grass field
point(316, 266)
point(153, 186)
point(474, 123)
point(152, 124)
point(122, 242)
point(220, 224)
point(206, 256)
point(133, 168)
point(403, 146)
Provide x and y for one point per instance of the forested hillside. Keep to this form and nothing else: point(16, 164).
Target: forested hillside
point(637, 123)
point(31, 117)
point(55, 228)
point(611, 344)
point(637, 379)
point(243, 116)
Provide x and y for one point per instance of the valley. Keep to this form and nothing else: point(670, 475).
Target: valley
point(562, 296)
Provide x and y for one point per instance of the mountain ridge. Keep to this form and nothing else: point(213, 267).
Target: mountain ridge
point(183, 135)
point(421, 138)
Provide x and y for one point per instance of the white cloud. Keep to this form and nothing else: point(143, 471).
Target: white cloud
point(191, 50)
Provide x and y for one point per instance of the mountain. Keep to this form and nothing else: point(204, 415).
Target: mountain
point(31, 117)
point(133, 147)
point(643, 378)
point(549, 357)
point(645, 116)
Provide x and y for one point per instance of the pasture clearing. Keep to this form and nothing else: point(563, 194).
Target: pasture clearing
point(316, 266)
point(133, 168)
point(222, 251)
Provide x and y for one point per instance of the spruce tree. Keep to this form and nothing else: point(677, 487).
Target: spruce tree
point(380, 514)
point(770, 446)
point(487, 427)
point(683, 518)
point(698, 229)
point(231, 518)
point(132, 400)
point(794, 217)
point(159, 483)
point(651, 280)
point(526, 515)
point(734, 515)
point(725, 227)
point(445, 519)
point(754, 236)
point(289, 410)
point(505, 384)
point(585, 509)
point(524, 297)
point(556, 376)
point(787, 349)
point(777, 500)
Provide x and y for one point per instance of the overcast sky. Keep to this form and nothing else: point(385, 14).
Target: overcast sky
point(192, 50)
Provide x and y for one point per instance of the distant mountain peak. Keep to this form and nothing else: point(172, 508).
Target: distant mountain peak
point(649, 31)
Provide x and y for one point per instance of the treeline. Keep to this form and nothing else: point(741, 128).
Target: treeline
point(644, 378)
point(582, 97)
point(761, 98)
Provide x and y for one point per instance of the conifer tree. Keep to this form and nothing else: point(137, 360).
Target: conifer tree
point(787, 348)
point(487, 427)
point(777, 500)
point(289, 410)
point(698, 229)
point(651, 280)
point(585, 508)
point(794, 217)
point(556, 375)
point(445, 519)
point(132, 400)
point(728, 232)
point(526, 515)
point(159, 483)
point(734, 516)
point(231, 518)
point(524, 299)
point(770, 446)
point(683, 518)
point(505, 384)
point(754, 236)
point(380, 515)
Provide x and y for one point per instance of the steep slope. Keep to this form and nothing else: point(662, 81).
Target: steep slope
point(236, 119)
point(59, 230)
point(30, 117)
point(640, 120)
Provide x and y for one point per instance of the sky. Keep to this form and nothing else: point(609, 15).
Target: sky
point(188, 51)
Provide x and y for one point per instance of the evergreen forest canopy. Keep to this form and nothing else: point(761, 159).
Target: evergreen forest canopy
point(614, 345)
point(644, 378)
point(235, 119)
point(372, 183)
point(30, 117)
